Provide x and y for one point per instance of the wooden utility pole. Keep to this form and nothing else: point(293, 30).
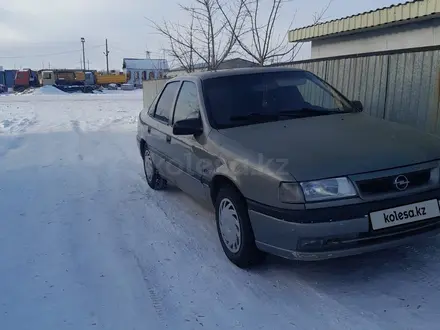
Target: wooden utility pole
point(106, 54)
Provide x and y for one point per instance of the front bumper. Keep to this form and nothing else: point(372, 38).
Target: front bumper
point(332, 232)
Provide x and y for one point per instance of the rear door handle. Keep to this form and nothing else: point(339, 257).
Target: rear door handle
point(168, 138)
point(149, 129)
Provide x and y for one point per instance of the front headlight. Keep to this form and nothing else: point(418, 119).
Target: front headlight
point(321, 190)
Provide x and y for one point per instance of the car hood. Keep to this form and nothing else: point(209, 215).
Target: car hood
point(337, 145)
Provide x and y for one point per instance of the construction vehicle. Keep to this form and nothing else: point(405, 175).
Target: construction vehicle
point(69, 80)
point(89, 79)
point(62, 77)
point(80, 76)
point(24, 79)
point(47, 78)
point(106, 79)
point(66, 78)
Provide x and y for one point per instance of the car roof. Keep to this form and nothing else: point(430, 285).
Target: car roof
point(234, 72)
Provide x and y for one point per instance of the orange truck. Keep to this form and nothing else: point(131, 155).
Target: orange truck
point(107, 79)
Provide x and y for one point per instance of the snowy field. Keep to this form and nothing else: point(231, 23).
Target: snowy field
point(85, 244)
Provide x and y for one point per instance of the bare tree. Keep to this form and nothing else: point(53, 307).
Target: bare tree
point(208, 39)
point(260, 41)
point(215, 36)
point(180, 42)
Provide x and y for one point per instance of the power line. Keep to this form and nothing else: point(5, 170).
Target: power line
point(138, 53)
point(50, 54)
point(41, 55)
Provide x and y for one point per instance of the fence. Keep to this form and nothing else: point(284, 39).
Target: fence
point(150, 89)
point(401, 86)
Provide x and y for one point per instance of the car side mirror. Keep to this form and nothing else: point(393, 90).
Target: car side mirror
point(357, 105)
point(192, 126)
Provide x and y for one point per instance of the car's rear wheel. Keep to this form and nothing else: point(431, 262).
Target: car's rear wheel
point(234, 228)
point(154, 180)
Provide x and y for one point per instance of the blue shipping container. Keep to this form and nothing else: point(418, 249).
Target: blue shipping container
point(3, 88)
point(10, 77)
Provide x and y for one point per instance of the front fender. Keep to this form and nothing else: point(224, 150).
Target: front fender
point(257, 184)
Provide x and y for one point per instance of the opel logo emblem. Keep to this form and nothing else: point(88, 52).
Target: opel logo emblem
point(401, 182)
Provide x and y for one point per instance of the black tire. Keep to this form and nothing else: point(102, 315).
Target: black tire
point(248, 254)
point(155, 182)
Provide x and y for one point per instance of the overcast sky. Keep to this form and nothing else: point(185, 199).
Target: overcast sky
point(36, 32)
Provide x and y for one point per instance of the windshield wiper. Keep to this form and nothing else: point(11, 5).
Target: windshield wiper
point(297, 113)
point(257, 116)
point(307, 112)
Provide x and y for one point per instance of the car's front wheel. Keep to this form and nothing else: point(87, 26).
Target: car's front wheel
point(154, 180)
point(234, 228)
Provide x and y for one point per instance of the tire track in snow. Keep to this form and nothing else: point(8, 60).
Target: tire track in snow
point(103, 192)
point(155, 297)
point(12, 143)
point(149, 267)
point(106, 186)
point(77, 129)
point(85, 143)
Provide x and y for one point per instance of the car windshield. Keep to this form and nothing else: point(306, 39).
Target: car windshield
point(260, 97)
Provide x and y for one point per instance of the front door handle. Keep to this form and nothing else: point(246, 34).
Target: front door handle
point(168, 138)
point(149, 129)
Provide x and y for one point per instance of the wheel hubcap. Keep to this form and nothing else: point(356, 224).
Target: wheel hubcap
point(148, 165)
point(229, 225)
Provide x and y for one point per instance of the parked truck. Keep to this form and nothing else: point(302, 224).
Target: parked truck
point(68, 80)
point(62, 77)
point(107, 79)
point(47, 77)
point(26, 78)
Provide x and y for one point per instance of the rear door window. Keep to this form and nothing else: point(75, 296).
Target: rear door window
point(166, 100)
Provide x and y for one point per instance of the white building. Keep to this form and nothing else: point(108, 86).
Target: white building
point(140, 69)
point(407, 25)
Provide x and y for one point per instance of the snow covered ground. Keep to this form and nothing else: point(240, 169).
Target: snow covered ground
point(85, 244)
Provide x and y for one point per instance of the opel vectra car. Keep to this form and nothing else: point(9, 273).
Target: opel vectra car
point(292, 167)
